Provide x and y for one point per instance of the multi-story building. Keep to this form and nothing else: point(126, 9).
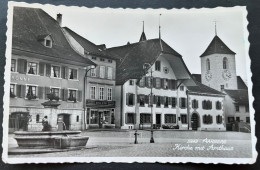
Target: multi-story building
point(44, 63)
point(100, 82)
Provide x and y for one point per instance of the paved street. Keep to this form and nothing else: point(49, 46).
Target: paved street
point(167, 144)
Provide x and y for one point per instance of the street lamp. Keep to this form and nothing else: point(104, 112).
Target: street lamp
point(84, 95)
point(148, 66)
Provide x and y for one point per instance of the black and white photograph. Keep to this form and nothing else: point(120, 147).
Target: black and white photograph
point(127, 85)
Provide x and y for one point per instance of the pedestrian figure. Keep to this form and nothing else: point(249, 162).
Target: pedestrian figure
point(45, 124)
point(61, 124)
point(136, 142)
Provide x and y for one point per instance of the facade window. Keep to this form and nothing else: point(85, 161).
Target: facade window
point(109, 94)
point(110, 61)
point(158, 83)
point(12, 90)
point(55, 71)
point(208, 64)
point(247, 108)
point(93, 72)
point(141, 100)
point(247, 120)
point(222, 87)
point(231, 119)
point(73, 74)
point(166, 101)
point(13, 65)
point(130, 118)
point(130, 99)
point(170, 118)
point(94, 117)
point(141, 82)
point(72, 95)
point(195, 104)
point(158, 101)
point(93, 58)
point(77, 118)
point(149, 81)
point(225, 63)
point(218, 105)
point(55, 91)
point(102, 59)
point(184, 119)
point(102, 71)
point(109, 72)
point(165, 83)
point(158, 66)
point(145, 118)
point(131, 82)
point(32, 68)
point(238, 119)
point(93, 92)
point(31, 92)
point(219, 119)
point(206, 105)
point(237, 108)
point(182, 102)
point(181, 88)
point(207, 119)
point(174, 102)
point(101, 93)
point(37, 118)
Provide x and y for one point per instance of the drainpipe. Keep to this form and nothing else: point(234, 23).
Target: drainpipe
point(188, 110)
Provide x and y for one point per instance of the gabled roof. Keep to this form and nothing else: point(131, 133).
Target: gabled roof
point(239, 96)
point(132, 57)
point(30, 24)
point(203, 89)
point(217, 46)
point(241, 84)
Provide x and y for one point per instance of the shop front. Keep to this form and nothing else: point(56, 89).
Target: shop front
point(100, 114)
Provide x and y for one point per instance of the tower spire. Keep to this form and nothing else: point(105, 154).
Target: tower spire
point(215, 27)
point(160, 32)
point(143, 36)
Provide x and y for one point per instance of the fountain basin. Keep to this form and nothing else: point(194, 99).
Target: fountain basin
point(56, 139)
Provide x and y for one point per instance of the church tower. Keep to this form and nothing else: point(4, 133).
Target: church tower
point(143, 36)
point(218, 66)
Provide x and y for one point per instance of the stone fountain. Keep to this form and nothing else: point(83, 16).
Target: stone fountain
point(53, 138)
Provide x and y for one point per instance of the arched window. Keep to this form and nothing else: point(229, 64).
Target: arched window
point(208, 64)
point(225, 63)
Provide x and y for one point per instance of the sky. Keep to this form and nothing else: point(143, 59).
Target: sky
point(189, 32)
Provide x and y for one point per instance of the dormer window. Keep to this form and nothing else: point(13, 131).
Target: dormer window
point(48, 43)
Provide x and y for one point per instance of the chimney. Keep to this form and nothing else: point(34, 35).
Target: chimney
point(59, 18)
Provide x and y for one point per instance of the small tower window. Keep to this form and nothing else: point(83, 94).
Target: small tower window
point(225, 63)
point(208, 64)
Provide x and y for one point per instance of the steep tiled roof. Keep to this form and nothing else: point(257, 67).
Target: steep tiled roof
point(217, 46)
point(239, 96)
point(88, 46)
point(133, 56)
point(241, 84)
point(197, 77)
point(201, 88)
point(30, 25)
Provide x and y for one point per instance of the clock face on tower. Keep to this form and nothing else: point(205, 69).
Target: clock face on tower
point(208, 76)
point(226, 75)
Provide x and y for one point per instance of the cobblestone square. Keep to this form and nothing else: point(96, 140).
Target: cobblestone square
point(167, 144)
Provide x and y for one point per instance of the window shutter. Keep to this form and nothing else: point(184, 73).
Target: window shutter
point(79, 96)
point(65, 95)
point(75, 74)
point(113, 73)
point(146, 99)
point(106, 72)
point(18, 90)
point(169, 84)
point(162, 83)
point(48, 70)
point(97, 71)
point(22, 66)
point(192, 104)
point(133, 99)
point(138, 98)
point(127, 98)
point(62, 72)
point(154, 82)
point(41, 69)
point(66, 72)
point(197, 104)
point(40, 92)
point(174, 85)
point(23, 88)
point(156, 99)
point(61, 94)
point(47, 91)
point(146, 81)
